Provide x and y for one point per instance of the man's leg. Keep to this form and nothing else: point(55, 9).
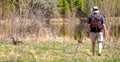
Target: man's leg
point(93, 39)
point(99, 47)
point(100, 40)
point(93, 48)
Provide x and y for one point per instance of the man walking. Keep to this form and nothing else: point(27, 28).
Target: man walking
point(96, 29)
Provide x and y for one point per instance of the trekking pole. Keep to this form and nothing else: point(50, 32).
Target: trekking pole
point(76, 50)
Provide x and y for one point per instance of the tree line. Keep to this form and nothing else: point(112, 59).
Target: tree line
point(33, 15)
point(56, 7)
point(47, 6)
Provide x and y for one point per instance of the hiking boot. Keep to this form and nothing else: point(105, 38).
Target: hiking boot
point(99, 54)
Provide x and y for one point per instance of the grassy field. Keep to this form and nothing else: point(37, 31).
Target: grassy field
point(56, 52)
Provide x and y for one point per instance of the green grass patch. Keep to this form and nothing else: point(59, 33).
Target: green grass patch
point(55, 52)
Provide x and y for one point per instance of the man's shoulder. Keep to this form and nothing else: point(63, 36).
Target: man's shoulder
point(101, 16)
point(94, 15)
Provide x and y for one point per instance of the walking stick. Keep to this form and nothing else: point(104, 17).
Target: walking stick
point(79, 42)
point(76, 50)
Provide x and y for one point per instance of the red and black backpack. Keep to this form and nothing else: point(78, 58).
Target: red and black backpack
point(95, 24)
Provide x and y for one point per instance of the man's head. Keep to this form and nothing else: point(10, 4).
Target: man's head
point(94, 10)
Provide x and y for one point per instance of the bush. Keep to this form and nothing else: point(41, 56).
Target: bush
point(115, 31)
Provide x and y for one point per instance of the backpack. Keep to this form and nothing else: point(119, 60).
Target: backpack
point(95, 24)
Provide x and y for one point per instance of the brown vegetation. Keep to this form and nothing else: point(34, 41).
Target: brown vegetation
point(42, 19)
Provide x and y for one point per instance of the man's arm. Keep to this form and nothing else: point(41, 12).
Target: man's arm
point(88, 30)
point(104, 26)
point(104, 30)
point(88, 26)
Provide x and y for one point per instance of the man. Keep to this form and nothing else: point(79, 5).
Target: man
point(96, 29)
